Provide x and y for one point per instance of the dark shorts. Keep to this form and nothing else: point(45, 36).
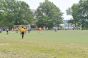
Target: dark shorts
point(22, 32)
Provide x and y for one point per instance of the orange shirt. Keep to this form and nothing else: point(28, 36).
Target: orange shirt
point(22, 30)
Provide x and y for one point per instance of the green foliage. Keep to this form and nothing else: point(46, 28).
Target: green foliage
point(14, 13)
point(48, 15)
point(75, 14)
point(84, 13)
point(80, 14)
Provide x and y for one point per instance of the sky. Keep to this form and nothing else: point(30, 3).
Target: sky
point(63, 5)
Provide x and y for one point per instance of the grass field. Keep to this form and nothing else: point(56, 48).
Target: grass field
point(45, 44)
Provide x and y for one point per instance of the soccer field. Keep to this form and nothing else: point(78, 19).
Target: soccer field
point(45, 44)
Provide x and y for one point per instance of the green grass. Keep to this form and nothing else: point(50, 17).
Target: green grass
point(45, 44)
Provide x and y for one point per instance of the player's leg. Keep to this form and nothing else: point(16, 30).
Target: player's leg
point(22, 35)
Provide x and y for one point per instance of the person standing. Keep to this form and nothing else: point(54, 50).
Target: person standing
point(0, 30)
point(40, 29)
point(7, 30)
point(55, 29)
point(22, 30)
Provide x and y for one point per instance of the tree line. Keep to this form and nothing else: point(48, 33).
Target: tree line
point(79, 12)
point(13, 12)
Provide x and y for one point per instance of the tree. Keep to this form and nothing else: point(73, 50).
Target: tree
point(75, 14)
point(14, 13)
point(80, 14)
point(48, 15)
point(84, 13)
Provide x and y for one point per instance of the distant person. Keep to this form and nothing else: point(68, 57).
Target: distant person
point(47, 28)
point(29, 30)
point(40, 29)
point(7, 30)
point(44, 28)
point(22, 30)
point(0, 30)
point(16, 30)
point(55, 29)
